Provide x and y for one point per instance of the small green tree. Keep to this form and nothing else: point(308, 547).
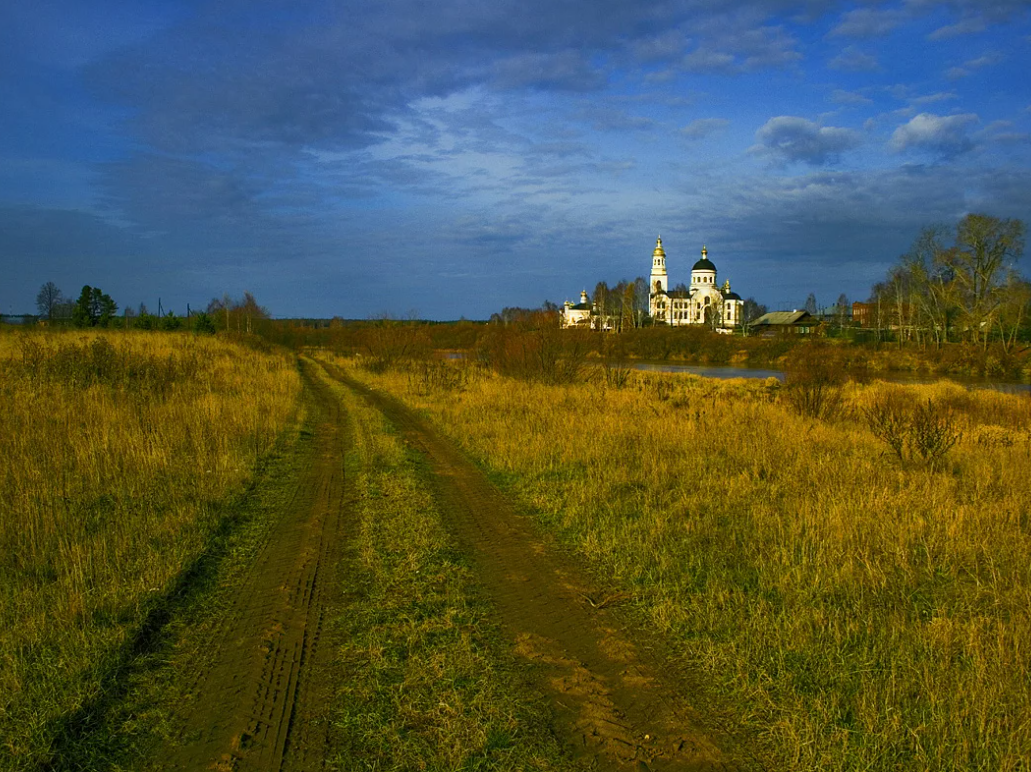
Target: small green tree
point(102, 307)
point(94, 308)
point(203, 324)
point(170, 322)
point(81, 316)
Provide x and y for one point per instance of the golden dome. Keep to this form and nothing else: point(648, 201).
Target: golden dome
point(659, 252)
point(704, 251)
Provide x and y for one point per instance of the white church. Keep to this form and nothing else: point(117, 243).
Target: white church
point(703, 302)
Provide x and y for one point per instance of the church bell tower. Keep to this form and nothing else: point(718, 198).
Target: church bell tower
point(659, 275)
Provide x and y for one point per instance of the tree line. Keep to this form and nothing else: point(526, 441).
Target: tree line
point(958, 284)
point(96, 308)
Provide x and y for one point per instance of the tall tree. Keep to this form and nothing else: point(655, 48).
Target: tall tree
point(102, 308)
point(810, 304)
point(629, 307)
point(641, 296)
point(601, 303)
point(751, 310)
point(1015, 309)
point(970, 285)
point(842, 310)
point(932, 280)
point(81, 316)
point(48, 299)
point(251, 311)
point(93, 308)
point(985, 248)
point(714, 315)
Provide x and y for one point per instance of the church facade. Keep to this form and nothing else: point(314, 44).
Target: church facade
point(703, 301)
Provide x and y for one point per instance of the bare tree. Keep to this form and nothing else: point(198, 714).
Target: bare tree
point(751, 310)
point(601, 304)
point(985, 247)
point(1015, 309)
point(714, 315)
point(841, 315)
point(48, 299)
point(628, 315)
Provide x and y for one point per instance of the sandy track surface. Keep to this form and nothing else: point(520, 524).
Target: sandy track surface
point(614, 702)
point(261, 703)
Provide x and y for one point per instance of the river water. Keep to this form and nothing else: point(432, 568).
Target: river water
point(726, 371)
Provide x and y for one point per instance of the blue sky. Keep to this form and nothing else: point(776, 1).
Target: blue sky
point(449, 158)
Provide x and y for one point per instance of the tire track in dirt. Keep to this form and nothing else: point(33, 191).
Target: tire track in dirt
point(614, 703)
point(262, 703)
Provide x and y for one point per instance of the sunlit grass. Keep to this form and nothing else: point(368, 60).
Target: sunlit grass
point(114, 449)
point(853, 611)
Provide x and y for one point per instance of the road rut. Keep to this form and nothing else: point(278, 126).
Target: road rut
point(614, 703)
point(262, 703)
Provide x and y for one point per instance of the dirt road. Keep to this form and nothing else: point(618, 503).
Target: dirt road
point(260, 703)
point(614, 703)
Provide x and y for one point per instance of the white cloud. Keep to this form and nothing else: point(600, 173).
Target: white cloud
point(563, 71)
point(969, 26)
point(842, 97)
point(703, 127)
point(867, 22)
point(851, 59)
point(790, 138)
point(664, 47)
point(734, 48)
point(971, 65)
point(706, 60)
point(946, 136)
point(941, 96)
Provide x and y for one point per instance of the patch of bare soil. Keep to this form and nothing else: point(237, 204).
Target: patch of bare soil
point(262, 701)
point(615, 702)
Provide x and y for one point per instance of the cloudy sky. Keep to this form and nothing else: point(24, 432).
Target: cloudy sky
point(453, 157)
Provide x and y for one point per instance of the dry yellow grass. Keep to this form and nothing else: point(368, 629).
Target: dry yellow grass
point(115, 452)
point(855, 612)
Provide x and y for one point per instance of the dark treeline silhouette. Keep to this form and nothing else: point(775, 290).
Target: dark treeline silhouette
point(94, 308)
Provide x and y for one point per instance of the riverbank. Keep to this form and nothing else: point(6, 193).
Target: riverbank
point(702, 348)
point(390, 342)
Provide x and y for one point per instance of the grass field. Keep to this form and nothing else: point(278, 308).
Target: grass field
point(854, 610)
point(115, 452)
point(425, 680)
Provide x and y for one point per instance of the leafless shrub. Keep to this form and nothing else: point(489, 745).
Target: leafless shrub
point(933, 432)
point(924, 432)
point(814, 381)
point(389, 343)
point(535, 349)
point(429, 377)
point(614, 362)
point(888, 419)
